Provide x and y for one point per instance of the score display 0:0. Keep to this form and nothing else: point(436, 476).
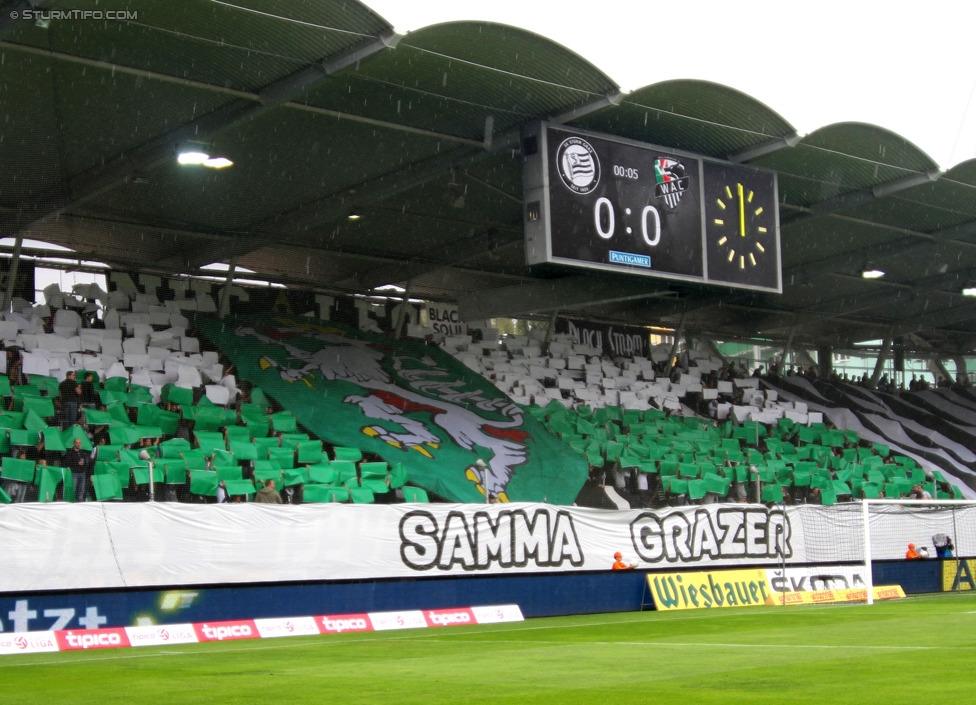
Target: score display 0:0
point(603, 206)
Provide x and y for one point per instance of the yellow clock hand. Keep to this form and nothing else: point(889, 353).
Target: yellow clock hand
point(742, 210)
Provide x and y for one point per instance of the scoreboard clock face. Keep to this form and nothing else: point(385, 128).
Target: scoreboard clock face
point(741, 226)
point(599, 202)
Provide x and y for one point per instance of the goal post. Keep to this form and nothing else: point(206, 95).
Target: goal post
point(870, 537)
point(889, 525)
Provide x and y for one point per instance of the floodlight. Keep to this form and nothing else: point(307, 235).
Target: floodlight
point(218, 163)
point(192, 157)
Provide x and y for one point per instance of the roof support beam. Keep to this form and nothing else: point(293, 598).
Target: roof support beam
point(593, 106)
point(119, 170)
point(287, 88)
point(8, 295)
point(965, 311)
point(890, 296)
point(852, 199)
point(761, 150)
point(914, 240)
point(337, 205)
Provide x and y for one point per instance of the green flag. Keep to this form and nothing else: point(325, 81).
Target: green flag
point(405, 401)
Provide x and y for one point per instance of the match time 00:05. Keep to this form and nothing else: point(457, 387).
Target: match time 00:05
point(625, 172)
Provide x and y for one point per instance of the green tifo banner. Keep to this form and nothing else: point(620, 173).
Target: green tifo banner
point(405, 401)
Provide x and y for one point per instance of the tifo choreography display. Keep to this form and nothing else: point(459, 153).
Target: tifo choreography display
point(361, 390)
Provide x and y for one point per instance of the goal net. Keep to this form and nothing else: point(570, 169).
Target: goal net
point(871, 530)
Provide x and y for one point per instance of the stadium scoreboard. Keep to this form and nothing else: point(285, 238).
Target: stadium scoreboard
point(602, 202)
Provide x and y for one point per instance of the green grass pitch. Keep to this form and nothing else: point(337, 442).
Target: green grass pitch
point(916, 651)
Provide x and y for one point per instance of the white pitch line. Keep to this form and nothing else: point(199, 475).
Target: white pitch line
point(718, 645)
point(425, 634)
point(264, 646)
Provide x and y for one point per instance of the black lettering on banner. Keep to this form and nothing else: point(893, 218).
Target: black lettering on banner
point(443, 315)
point(457, 544)
point(799, 581)
point(677, 535)
point(704, 541)
point(755, 534)
point(509, 539)
point(779, 532)
point(494, 538)
point(630, 342)
point(647, 535)
point(587, 337)
point(447, 328)
point(536, 543)
point(418, 540)
point(828, 582)
point(732, 542)
point(683, 537)
point(964, 576)
point(445, 320)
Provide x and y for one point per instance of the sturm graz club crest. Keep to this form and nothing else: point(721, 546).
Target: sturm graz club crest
point(578, 164)
point(670, 179)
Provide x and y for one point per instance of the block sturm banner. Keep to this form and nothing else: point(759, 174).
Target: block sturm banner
point(615, 341)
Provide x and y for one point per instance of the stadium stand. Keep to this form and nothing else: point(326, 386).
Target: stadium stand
point(656, 436)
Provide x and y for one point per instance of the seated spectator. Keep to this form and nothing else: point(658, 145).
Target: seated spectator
point(918, 492)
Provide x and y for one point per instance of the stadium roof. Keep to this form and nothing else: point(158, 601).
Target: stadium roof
point(326, 113)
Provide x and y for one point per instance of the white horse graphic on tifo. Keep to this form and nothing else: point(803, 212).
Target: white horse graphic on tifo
point(356, 361)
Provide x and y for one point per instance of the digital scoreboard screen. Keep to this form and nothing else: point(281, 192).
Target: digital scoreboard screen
point(601, 202)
